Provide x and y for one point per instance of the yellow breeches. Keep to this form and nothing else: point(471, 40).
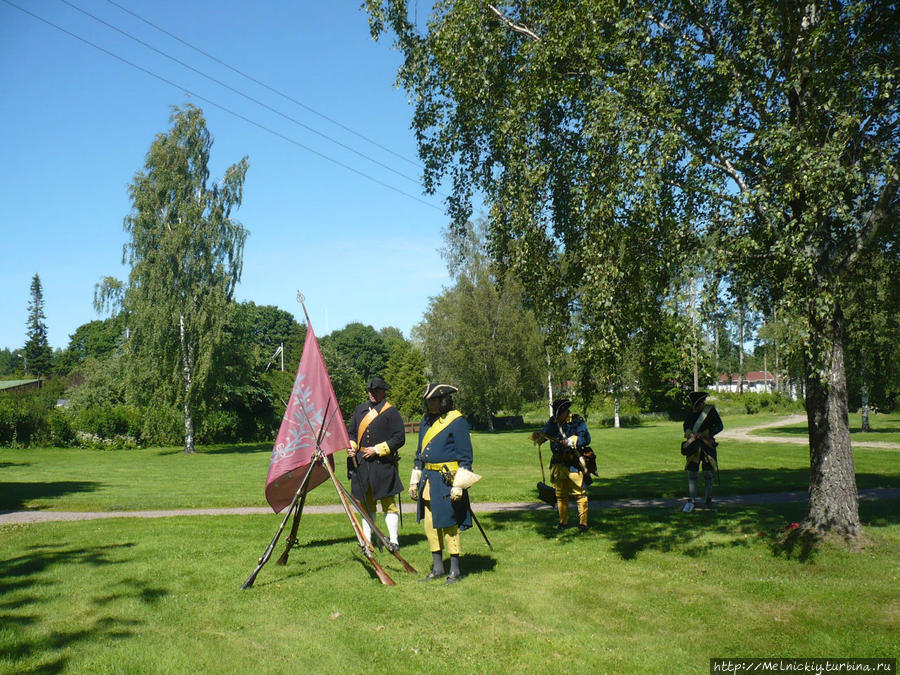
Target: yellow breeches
point(445, 538)
point(569, 484)
point(388, 504)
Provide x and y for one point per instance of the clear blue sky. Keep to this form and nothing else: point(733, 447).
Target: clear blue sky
point(76, 124)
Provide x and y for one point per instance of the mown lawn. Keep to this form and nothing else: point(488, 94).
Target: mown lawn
point(646, 590)
point(639, 462)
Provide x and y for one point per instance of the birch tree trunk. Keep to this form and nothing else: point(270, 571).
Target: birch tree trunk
point(187, 373)
point(833, 498)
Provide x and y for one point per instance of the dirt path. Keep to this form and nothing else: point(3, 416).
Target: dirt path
point(16, 517)
point(744, 434)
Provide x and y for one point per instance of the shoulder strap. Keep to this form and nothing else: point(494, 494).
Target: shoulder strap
point(700, 419)
point(367, 420)
point(439, 425)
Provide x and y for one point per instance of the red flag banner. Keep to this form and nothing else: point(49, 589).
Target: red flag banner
point(304, 418)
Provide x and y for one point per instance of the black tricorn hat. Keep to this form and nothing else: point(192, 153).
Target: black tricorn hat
point(378, 383)
point(696, 397)
point(561, 404)
point(434, 390)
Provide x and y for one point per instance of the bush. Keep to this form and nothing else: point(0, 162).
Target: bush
point(162, 426)
point(219, 426)
point(109, 421)
point(22, 418)
point(61, 434)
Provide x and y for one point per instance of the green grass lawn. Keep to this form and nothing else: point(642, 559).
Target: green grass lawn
point(883, 428)
point(640, 462)
point(645, 590)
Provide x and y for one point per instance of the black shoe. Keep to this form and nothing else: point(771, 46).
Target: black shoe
point(582, 529)
point(432, 575)
point(452, 579)
point(561, 526)
point(392, 547)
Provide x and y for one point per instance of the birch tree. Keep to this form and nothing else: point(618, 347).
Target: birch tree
point(613, 139)
point(186, 254)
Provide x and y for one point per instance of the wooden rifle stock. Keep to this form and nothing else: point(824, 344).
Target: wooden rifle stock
point(387, 544)
point(357, 529)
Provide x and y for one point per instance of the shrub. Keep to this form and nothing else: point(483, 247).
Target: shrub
point(22, 418)
point(162, 425)
point(60, 432)
point(219, 426)
point(108, 421)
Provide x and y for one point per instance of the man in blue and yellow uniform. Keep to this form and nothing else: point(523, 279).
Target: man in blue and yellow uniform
point(442, 473)
point(376, 433)
point(699, 447)
point(567, 434)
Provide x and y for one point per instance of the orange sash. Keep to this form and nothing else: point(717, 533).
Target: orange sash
point(367, 420)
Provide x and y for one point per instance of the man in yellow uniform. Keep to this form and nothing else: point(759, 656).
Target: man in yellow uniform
point(568, 435)
point(439, 481)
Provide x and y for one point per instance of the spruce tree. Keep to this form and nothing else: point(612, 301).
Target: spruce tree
point(37, 352)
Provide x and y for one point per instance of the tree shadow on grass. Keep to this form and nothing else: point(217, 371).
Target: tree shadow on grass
point(14, 496)
point(222, 449)
point(633, 531)
point(673, 484)
point(24, 580)
point(238, 449)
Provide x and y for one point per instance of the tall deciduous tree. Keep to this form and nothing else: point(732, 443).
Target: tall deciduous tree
point(616, 137)
point(405, 373)
point(37, 350)
point(480, 338)
point(186, 255)
point(362, 346)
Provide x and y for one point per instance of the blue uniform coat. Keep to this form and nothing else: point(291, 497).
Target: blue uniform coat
point(451, 444)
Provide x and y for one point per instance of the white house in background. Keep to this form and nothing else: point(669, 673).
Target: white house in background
point(756, 381)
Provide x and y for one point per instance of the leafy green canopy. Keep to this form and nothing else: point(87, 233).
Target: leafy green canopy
point(617, 143)
point(186, 255)
point(611, 137)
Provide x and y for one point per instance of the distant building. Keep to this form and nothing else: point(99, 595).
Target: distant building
point(756, 381)
point(19, 386)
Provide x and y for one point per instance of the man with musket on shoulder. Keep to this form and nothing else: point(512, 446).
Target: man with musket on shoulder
point(376, 434)
point(700, 427)
point(440, 478)
point(569, 437)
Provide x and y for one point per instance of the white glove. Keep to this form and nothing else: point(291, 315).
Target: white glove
point(572, 441)
point(456, 494)
point(414, 484)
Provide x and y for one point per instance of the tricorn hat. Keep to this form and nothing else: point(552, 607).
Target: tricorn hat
point(561, 404)
point(435, 390)
point(697, 396)
point(378, 383)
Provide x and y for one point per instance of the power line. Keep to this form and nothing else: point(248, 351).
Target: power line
point(240, 93)
point(223, 108)
point(264, 85)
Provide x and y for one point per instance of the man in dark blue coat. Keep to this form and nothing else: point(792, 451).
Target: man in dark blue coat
point(376, 434)
point(442, 473)
point(700, 427)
